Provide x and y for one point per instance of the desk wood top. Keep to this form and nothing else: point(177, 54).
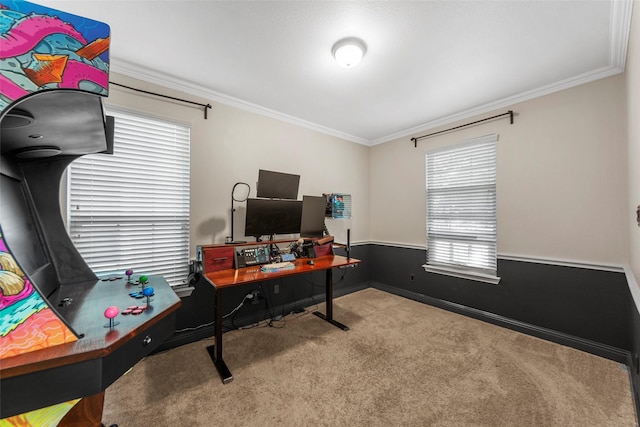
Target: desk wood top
point(233, 277)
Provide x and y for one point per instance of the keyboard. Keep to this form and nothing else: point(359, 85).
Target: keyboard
point(277, 266)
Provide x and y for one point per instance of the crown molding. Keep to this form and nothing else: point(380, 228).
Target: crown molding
point(620, 24)
point(150, 76)
point(502, 103)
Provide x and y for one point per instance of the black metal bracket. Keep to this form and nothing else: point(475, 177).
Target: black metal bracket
point(508, 113)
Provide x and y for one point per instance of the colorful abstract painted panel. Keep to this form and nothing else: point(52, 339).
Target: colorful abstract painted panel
point(43, 48)
point(44, 417)
point(26, 321)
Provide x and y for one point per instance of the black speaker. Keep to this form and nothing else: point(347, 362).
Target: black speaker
point(240, 261)
point(309, 250)
point(348, 242)
point(109, 131)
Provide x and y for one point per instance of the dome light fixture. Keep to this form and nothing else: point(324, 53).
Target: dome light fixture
point(349, 52)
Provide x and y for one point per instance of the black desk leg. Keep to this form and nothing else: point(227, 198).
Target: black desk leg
point(329, 303)
point(215, 351)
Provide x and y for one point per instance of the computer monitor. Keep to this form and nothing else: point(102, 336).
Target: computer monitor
point(277, 185)
point(313, 211)
point(268, 217)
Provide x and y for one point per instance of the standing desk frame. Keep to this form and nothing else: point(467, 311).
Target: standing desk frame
point(235, 277)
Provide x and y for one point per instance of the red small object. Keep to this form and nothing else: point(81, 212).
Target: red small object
point(111, 312)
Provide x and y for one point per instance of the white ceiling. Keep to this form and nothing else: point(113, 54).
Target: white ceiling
point(428, 62)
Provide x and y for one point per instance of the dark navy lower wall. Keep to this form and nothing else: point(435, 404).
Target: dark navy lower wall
point(589, 304)
point(585, 304)
point(588, 309)
point(634, 362)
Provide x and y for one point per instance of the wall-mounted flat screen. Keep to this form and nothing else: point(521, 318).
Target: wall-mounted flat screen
point(313, 210)
point(268, 217)
point(277, 185)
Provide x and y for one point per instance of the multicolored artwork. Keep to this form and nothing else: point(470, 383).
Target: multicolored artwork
point(49, 416)
point(43, 48)
point(26, 321)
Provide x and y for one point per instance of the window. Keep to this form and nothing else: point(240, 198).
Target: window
point(130, 210)
point(461, 210)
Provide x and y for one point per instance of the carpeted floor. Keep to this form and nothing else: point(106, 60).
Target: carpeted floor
point(402, 363)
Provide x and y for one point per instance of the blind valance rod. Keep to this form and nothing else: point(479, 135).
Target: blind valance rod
point(508, 113)
point(205, 106)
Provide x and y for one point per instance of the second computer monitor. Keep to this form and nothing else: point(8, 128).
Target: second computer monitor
point(313, 209)
point(277, 185)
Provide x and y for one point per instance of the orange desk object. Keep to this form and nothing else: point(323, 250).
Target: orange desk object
point(222, 279)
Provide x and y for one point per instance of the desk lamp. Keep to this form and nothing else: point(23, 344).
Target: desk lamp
point(239, 195)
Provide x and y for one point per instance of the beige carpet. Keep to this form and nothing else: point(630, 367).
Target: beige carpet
point(402, 363)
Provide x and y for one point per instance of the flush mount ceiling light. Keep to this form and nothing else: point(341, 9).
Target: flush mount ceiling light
point(349, 52)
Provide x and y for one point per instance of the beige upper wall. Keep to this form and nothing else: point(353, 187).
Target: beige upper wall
point(232, 145)
point(562, 179)
point(562, 172)
point(633, 125)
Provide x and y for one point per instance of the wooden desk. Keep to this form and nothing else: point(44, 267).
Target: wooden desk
point(222, 279)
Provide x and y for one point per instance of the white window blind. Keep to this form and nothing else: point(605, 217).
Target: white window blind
point(461, 208)
point(130, 210)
